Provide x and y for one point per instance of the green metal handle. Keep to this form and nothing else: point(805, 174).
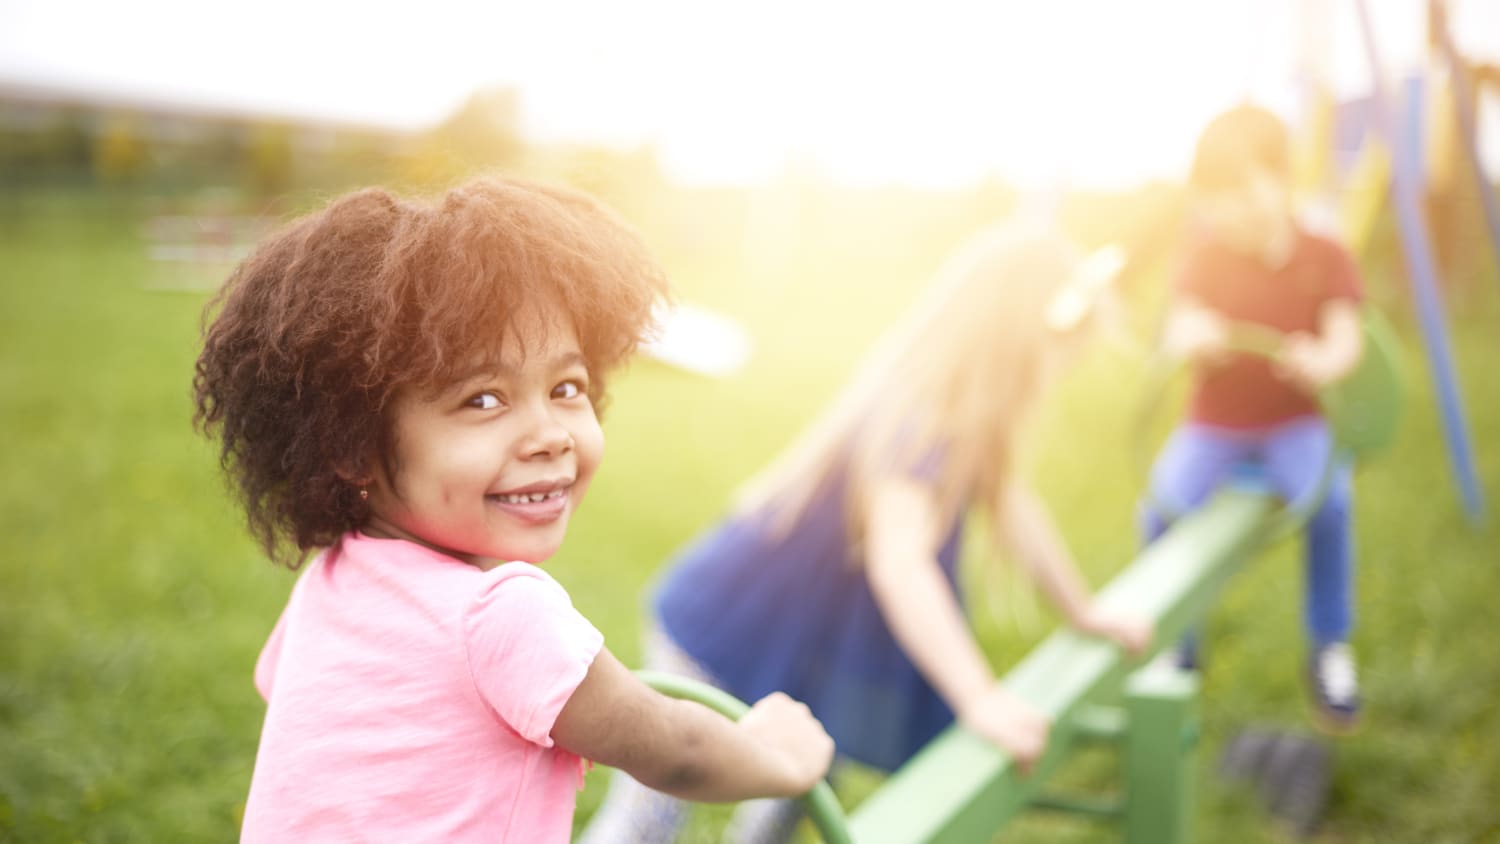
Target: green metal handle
point(821, 804)
point(1364, 406)
point(1254, 339)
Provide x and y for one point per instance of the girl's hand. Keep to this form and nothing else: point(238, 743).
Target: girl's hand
point(1303, 363)
point(1198, 334)
point(1011, 723)
point(795, 740)
point(1130, 632)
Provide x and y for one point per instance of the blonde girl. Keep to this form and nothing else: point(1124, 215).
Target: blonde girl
point(833, 577)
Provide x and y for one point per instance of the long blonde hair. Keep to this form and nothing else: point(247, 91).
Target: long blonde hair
point(950, 381)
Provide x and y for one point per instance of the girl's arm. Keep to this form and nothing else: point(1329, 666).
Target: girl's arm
point(1315, 361)
point(1195, 332)
point(687, 750)
point(901, 538)
point(1027, 527)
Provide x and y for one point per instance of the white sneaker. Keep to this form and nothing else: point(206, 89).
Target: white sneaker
point(1333, 683)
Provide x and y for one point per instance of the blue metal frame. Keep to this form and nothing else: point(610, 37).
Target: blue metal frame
point(1421, 270)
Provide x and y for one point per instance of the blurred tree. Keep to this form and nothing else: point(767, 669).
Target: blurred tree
point(630, 181)
point(269, 162)
point(484, 133)
point(63, 148)
point(120, 150)
point(425, 163)
point(15, 155)
point(218, 154)
point(359, 157)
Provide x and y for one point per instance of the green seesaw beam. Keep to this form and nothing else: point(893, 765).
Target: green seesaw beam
point(960, 788)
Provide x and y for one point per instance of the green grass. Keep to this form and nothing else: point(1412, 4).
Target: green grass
point(132, 604)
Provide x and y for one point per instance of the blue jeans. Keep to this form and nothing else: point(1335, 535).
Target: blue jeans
point(1291, 458)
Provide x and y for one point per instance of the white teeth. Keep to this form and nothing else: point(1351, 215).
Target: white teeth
point(532, 497)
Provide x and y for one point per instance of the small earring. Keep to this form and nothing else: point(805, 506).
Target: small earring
point(364, 494)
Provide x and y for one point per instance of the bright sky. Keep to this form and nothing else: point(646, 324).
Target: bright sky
point(945, 92)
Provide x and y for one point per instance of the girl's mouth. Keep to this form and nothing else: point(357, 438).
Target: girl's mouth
point(535, 507)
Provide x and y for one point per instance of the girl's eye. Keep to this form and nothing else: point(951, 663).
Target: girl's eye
point(567, 390)
point(484, 401)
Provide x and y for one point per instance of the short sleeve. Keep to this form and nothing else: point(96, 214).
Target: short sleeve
point(270, 657)
point(527, 648)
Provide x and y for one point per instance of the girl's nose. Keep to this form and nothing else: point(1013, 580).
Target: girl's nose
point(547, 437)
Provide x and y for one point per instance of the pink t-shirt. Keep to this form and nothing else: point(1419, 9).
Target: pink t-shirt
point(411, 697)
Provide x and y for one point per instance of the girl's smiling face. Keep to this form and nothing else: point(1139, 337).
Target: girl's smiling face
point(491, 469)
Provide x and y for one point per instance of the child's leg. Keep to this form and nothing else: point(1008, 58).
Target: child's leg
point(1296, 458)
point(632, 813)
point(1330, 564)
point(1195, 460)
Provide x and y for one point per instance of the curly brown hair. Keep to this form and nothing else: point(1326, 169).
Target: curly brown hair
point(315, 333)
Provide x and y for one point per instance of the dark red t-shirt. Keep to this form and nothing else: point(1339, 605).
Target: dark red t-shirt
point(1246, 392)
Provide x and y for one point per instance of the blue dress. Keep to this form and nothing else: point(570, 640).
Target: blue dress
point(796, 614)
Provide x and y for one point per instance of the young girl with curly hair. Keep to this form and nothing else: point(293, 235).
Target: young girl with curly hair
point(407, 393)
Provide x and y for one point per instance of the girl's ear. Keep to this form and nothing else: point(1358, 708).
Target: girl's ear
point(354, 472)
point(357, 479)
